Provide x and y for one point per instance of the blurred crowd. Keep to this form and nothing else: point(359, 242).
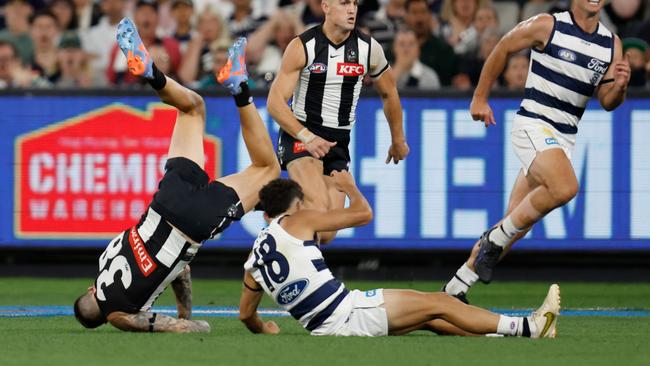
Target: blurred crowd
point(431, 44)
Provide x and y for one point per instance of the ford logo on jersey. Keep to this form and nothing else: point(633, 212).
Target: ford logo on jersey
point(289, 293)
point(567, 55)
point(317, 68)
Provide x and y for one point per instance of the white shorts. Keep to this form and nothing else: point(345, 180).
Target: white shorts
point(362, 315)
point(531, 136)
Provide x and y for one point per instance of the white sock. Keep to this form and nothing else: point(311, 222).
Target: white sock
point(508, 325)
point(462, 281)
point(516, 326)
point(502, 235)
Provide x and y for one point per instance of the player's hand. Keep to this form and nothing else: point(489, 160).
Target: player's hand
point(319, 147)
point(622, 72)
point(270, 327)
point(481, 111)
point(397, 151)
point(343, 181)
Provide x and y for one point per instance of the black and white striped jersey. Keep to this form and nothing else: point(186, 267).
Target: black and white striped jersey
point(140, 263)
point(330, 82)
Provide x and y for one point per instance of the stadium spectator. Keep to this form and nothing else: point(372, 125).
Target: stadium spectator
point(183, 11)
point(17, 14)
point(97, 40)
point(72, 64)
point(267, 44)
point(624, 17)
point(470, 67)
point(434, 52)
point(458, 17)
point(66, 14)
point(88, 13)
point(197, 60)
point(637, 51)
point(219, 50)
point(384, 23)
point(146, 19)
point(308, 11)
point(12, 73)
point(409, 72)
point(516, 72)
point(486, 17)
point(243, 20)
point(45, 33)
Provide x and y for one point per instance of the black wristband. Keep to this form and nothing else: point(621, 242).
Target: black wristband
point(152, 320)
point(159, 79)
point(244, 97)
point(607, 81)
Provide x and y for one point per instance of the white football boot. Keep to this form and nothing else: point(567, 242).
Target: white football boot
point(545, 318)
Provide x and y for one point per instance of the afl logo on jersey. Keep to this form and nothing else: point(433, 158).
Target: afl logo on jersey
point(317, 68)
point(289, 293)
point(567, 55)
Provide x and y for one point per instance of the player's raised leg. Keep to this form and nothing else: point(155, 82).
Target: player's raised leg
point(557, 186)
point(264, 165)
point(466, 276)
point(187, 138)
point(410, 310)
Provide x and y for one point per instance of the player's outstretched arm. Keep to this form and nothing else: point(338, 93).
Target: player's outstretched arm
point(304, 223)
point(251, 296)
point(387, 88)
point(154, 322)
point(182, 287)
point(613, 88)
point(534, 32)
point(281, 91)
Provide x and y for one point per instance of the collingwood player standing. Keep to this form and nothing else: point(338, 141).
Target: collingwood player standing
point(186, 210)
point(323, 71)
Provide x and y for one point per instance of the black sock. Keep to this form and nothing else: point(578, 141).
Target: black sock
point(526, 328)
point(159, 79)
point(244, 97)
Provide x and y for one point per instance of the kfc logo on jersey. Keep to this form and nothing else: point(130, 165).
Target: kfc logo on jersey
point(348, 69)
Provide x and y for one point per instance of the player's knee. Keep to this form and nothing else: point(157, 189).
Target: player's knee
point(564, 192)
point(196, 105)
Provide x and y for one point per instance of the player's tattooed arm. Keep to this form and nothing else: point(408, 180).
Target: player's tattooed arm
point(154, 322)
point(251, 296)
point(182, 287)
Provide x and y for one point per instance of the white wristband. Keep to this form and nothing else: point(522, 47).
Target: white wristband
point(305, 136)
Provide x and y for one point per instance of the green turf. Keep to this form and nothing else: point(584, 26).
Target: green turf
point(582, 340)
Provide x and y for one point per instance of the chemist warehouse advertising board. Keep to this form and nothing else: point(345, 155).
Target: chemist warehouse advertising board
point(78, 178)
point(75, 170)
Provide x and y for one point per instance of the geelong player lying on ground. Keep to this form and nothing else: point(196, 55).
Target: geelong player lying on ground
point(287, 264)
point(187, 209)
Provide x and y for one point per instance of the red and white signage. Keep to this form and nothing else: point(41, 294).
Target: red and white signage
point(348, 69)
point(94, 175)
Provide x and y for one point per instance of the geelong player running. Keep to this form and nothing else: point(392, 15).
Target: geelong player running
point(573, 57)
point(187, 209)
point(287, 264)
point(323, 71)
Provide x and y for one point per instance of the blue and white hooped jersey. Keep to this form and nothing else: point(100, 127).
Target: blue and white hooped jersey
point(565, 74)
point(293, 272)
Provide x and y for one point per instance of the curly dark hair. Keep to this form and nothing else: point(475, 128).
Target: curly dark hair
point(278, 195)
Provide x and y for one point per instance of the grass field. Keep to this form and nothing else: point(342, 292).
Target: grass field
point(598, 340)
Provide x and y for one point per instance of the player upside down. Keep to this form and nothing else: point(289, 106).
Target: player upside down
point(186, 210)
point(287, 264)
